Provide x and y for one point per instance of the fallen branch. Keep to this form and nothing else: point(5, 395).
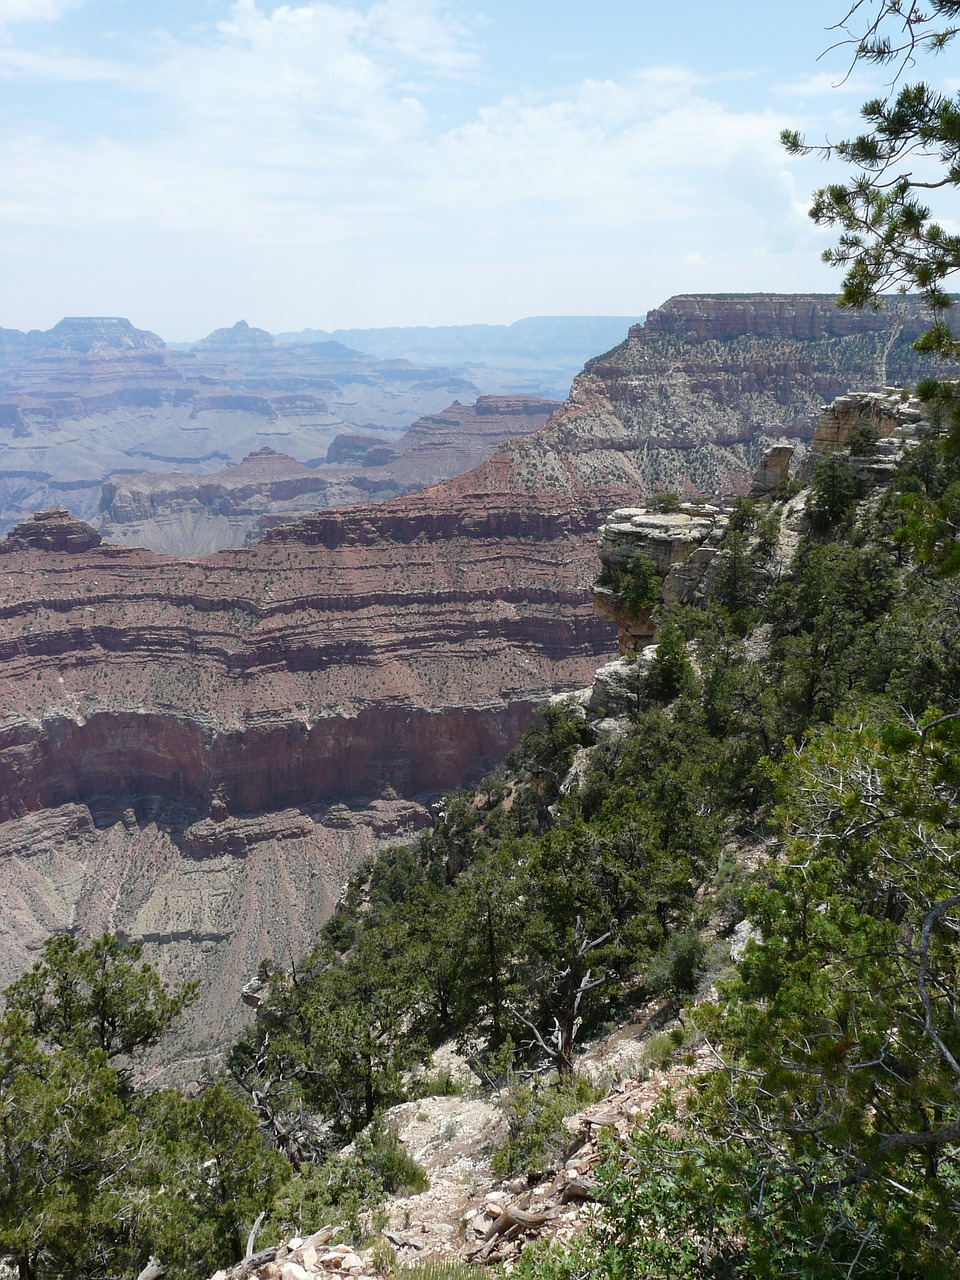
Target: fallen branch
point(255, 1262)
point(508, 1225)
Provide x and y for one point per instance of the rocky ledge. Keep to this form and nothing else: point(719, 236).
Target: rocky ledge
point(891, 414)
point(803, 317)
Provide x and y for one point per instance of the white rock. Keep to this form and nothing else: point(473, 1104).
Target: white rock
point(742, 934)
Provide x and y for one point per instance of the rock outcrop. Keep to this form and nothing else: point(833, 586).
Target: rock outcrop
point(680, 545)
point(772, 471)
point(51, 530)
point(889, 414)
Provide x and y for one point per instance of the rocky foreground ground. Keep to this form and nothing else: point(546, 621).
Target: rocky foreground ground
point(468, 1214)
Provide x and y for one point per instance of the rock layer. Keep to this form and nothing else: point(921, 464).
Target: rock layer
point(187, 514)
point(178, 738)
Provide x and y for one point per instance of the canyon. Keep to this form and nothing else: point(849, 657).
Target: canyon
point(186, 514)
point(196, 751)
point(96, 397)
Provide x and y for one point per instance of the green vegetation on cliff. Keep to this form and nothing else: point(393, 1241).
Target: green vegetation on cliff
point(792, 758)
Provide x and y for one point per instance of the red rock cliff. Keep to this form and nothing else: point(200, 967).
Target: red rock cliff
point(178, 737)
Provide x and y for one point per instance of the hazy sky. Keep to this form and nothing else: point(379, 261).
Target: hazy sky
point(355, 163)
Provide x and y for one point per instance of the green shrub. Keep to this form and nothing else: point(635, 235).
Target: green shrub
point(439, 1269)
point(666, 502)
point(678, 965)
point(537, 1139)
point(834, 490)
point(659, 1048)
point(743, 516)
point(862, 441)
point(640, 585)
point(768, 532)
point(670, 672)
point(435, 1084)
point(347, 1190)
point(551, 1260)
point(381, 1152)
point(384, 1257)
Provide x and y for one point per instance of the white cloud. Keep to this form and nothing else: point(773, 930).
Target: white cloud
point(296, 156)
point(65, 69)
point(822, 84)
point(420, 33)
point(33, 10)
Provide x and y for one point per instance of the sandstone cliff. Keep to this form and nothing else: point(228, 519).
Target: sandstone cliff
point(696, 395)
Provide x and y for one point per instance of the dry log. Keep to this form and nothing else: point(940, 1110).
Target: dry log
point(578, 1189)
point(507, 1226)
point(250, 1265)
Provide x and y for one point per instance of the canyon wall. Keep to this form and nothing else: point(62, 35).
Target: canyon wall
point(196, 751)
point(95, 397)
point(188, 514)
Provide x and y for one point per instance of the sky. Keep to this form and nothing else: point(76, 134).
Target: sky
point(363, 163)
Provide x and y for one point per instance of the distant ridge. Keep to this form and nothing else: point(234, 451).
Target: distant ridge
point(549, 350)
